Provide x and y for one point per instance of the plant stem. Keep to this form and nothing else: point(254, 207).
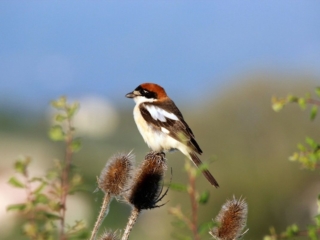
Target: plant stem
point(132, 220)
point(194, 206)
point(313, 101)
point(31, 214)
point(102, 214)
point(65, 176)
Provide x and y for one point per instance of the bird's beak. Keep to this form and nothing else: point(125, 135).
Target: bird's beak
point(132, 94)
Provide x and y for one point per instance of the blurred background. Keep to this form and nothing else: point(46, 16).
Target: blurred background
point(221, 62)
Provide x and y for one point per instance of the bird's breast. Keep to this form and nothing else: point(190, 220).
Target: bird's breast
point(157, 139)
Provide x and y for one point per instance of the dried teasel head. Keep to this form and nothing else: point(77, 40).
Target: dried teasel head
point(117, 174)
point(231, 220)
point(109, 235)
point(147, 183)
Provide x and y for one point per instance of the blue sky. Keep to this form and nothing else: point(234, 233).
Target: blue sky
point(107, 48)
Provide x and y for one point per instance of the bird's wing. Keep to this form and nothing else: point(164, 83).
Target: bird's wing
point(169, 122)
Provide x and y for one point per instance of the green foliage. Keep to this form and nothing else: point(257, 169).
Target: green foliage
point(188, 223)
point(56, 133)
point(45, 205)
point(308, 155)
point(313, 112)
point(13, 181)
point(228, 224)
point(204, 197)
point(279, 103)
point(178, 187)
point(292, 231)
point(317, 90)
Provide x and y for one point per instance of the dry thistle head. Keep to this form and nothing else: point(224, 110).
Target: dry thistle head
point(231, 220)
point(108, 235)
point(117, 174)
point(147, 188)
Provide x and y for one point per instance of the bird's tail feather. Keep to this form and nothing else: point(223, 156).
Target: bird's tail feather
point(195, 159)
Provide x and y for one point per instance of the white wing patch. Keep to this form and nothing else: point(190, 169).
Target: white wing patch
point(164, 130)
point(160, 114)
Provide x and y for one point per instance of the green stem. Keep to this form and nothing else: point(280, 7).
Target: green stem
point(194, 205)
point(65, 177)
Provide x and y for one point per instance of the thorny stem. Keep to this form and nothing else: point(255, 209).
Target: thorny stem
point(313, 101)
point(194, 205)
point(28, 187)
point(29, 199)
point(132, 220)
point(65, 176)
point(102, 214)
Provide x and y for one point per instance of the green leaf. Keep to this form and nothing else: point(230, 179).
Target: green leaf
point(313, 232)
point(56, 133)
point(205, 227)
point(41, 198)
point(52, 216)
point(78, 234)
point(16, 207)
point(292, 230)
point(52, 174)
point(302, 103)
point(292, 98)
point(278, 103)
point(314, 111)
point(294, 157)
point(16, 183)
point(60, 117)
point(36, 179)
point(40, 187)
point(277, 106)
point(60, 103)
point(76, 145)
point(76, 229)
point(72, 109)
point(317, 90)
point(76, 180)
point(178, 187)
point(204, 197)
point(21, 165)
point(30, 229)
point(55, 206)
point(311, 143)
point(268, 238)
point(317, 217)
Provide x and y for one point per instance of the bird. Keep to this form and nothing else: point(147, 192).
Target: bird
point(162, 125)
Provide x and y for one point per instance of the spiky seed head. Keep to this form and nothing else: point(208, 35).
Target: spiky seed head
point(116, 175)
point(231, 220)
point(108, 235)
point(147, 183)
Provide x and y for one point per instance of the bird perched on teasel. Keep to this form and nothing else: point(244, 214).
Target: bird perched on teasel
point(162, 126)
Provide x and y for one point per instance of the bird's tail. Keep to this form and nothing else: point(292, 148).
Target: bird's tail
point(195, 159)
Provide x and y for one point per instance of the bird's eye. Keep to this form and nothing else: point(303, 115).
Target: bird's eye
point(145, 91)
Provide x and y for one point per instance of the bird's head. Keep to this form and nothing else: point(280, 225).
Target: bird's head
point(147, 92)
